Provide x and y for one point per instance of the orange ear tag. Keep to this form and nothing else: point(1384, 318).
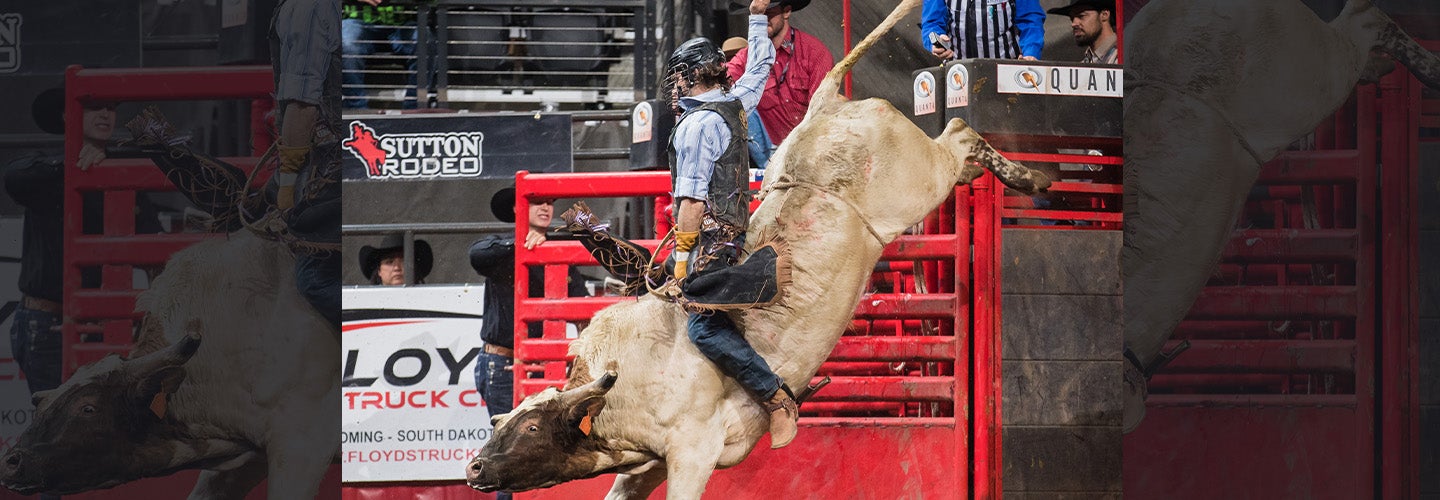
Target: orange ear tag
point(585, 425)
point(157, 405)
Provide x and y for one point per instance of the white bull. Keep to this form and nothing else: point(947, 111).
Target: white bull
point(848, 180)
point(233, 373)
point(1214, 89)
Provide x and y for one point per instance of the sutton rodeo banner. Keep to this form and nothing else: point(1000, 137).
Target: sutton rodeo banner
point(454, 146)
point(411, 411)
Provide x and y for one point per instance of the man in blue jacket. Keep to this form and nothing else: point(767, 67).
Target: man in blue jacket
point(989, 29)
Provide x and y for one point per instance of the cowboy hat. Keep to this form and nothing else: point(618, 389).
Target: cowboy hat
point(732, 45)
point(1094, 4)
point(795, 6)
point(370, 256)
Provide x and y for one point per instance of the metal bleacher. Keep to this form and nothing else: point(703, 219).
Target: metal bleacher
point(588, 52)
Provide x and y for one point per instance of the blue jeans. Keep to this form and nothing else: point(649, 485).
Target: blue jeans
point(318, 278)
point(495, 380)
point(35, 344)
point(758, 141)
point(718, 339)
point(496, 383)
point(352, 32)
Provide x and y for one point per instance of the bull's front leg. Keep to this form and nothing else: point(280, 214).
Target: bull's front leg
point(690, 464)
point(304, 444)
point(234, 482)
point(638, 485)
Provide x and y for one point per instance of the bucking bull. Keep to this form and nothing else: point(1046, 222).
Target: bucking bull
point(848, 180)
point(1202, 114)
point(232, 372)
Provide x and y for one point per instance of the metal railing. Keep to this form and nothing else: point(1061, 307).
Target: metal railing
point(472, 51)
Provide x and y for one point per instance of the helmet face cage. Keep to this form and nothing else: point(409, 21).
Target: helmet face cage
point(688, 65)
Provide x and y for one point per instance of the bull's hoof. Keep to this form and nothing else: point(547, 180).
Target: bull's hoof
point(1134, 405)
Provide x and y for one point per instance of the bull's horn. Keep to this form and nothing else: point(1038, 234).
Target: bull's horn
point(1423, 63)
point(1010, 173)
point(597, 387)
point(174, 354)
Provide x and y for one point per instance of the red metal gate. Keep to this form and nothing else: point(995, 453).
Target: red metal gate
point(1300, 378)
point(915, 378)
point(100, 321)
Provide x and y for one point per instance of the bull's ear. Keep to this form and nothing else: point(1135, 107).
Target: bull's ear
point(582, 414)
point(154, 389)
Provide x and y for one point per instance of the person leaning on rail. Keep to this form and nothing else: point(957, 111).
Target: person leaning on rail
point(494, 258)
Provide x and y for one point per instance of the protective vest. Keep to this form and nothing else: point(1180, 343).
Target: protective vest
point(728, 197)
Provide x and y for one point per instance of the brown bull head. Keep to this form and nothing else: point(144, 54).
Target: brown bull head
point(544, 442)
point(102, 427)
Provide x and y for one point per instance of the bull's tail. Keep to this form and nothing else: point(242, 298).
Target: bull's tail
point(829, 90)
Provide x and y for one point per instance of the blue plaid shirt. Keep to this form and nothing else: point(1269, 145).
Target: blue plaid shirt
point(701, 138)
point(308, 32)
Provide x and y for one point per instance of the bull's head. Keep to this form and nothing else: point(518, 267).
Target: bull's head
point(102, 427)
point(543, 442)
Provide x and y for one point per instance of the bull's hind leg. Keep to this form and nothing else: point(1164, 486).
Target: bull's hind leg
point(637, 486)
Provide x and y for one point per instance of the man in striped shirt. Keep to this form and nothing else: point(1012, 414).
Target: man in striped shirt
point(709, 165)
point(983, 29)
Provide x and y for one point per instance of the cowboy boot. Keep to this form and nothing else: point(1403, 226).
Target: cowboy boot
point(784, 414)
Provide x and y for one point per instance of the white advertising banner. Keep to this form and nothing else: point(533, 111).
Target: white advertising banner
point(15, 409)
point(410, 408)
point(1059, 80)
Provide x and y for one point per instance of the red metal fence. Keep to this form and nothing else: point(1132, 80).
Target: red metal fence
point(915, 378)
point(1304, 341)
point(100, 321)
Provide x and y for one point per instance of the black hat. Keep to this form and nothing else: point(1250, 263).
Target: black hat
point(1095, 4)
point(795, 5)
point(502, 204)
point(48, 110)
point(370, 256)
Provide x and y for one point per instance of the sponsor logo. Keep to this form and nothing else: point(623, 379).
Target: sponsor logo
point(1060, 80)
point(956, 80)
point(924, 90)
point(10, 42)
point(1028, 78)
point(415, 156)
point(640, 117)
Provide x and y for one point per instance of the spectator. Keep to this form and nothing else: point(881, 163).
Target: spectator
point(1092, 22)
point(991, 29)
point(758, 141)
point(367, 25)
point(801, 62)
point(37, 181)
point(385, 264)
point(494, 258)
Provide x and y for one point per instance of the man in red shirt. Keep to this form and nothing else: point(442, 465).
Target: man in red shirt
point(801, 61)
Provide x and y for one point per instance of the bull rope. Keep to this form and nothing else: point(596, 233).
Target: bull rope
point(269, 226)
point(787, 182)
